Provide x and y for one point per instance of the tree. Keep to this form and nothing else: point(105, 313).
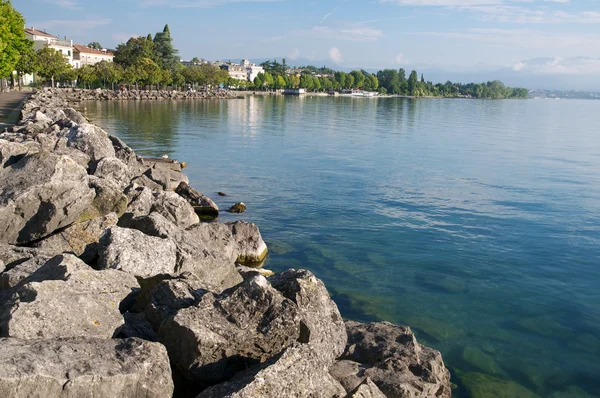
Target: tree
point(412, 82)
point(151, 72)
point(359, 79)
point(95, 45)
point(340, 77)
point(279, 82)
point(114, 73)
point(422, 78)
point(258, 82)
point(12, 38)
point(28, 63)
point(195, 60)
point(164, 52)
point(86, 74)
point(52, 64)
point(133, 51)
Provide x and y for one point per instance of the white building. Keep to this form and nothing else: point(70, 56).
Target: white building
point(42, 39)
point(83, 55)
point(245, 71)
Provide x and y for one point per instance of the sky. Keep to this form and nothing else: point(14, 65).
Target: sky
point(543, 37)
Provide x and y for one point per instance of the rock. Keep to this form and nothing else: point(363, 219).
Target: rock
point(136, 253)
point(14, 274)
point(39, 194)
point(147, 182)
point(74, 115)
point(84, 367)
point(79, 238)
point(59, 147)
point(168, 179)
point(367, 389)
point(205, 250)
point(140, 200)
point(126, 155)
point(12, 255)
point(220, 335)
point(480, 360)
point(175, 209)
point(91, 140)
point(221, 194)
point(202, 205)
point(136, 325)
point(251, 247)
point(11, 152)
point(170, 296)
point(297, 372)
point(480, 385)
point(163, 162)
point(391, 357)
point(114, 169)
point(249, 272)
point(239, 207)
point(322, 325)
point(66, 298)
point(109, 199)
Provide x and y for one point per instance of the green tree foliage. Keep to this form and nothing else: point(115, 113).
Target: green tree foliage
point(165, 54)
point(12, 37)
point(412, 83)
point(28, 62)
point(132, 52)
point(359, 79)
point(52, 64)
point(86, 74)
point(95, 45)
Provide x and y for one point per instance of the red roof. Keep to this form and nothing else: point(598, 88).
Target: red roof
point(34, 32)
point(84, 49)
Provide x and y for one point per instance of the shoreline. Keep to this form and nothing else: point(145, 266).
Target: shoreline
point(89, 220)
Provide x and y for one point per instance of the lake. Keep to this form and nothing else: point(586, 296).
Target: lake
point(475, 222)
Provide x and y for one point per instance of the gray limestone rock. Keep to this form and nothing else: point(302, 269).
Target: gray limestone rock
point(322, 325)
point(238, 207)
point(393, 359)
point(147, 182)
point(14, 274)
point(136, 253)
point(91, 140)
point(79, 238)
point(202, 204)
point(167, 178)
point(84, 367)
point(66, 298)
point(367, 389)
point(296, 373)
point(114, 169)
point(222, 334)
point(175, 209)
point(11, 152)
point(126, 155)
point(75, 116)
point(109, 198)
point(251, 248)
point(140, 200)
point(39, 194)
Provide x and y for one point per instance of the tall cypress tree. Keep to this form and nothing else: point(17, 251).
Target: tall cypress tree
point(165, 53)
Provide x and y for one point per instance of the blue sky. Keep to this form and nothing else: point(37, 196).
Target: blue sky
point(445, 34)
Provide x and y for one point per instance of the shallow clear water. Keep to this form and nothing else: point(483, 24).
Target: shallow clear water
point(477, 223)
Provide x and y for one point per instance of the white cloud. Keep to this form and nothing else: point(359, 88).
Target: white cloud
point(399, 59)
point(580, 66)
point(295, 54)
point(335, 55)
point(519, 66)
point(360, 34)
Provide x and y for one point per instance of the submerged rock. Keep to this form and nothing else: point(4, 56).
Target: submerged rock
point(480, 385)
point(239, 207)
point(40, 194)
point(84, 367)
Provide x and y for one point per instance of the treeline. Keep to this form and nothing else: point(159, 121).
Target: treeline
point(388, 81)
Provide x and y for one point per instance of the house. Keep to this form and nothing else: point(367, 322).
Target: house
point(42, 39)
point(83, 55)
point(238, 72)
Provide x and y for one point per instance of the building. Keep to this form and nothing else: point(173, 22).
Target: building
point(42, 39)
point(83, 55)
point(245, 71)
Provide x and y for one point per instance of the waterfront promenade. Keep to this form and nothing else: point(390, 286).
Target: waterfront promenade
point(10, 106)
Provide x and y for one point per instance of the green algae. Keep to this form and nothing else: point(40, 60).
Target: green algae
point(280, 248)
point(482, 361)
point(437, 329)
point(546, 326)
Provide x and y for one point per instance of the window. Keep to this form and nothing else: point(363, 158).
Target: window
point(69, 53)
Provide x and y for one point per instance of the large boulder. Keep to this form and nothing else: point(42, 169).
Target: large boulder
point(109, 199)
point(126, 155)
point(252, 250)
point(11, 152)
point(167, 178)
point(322, 325)
point(297, 372)
point(202, 204)
point(174, 208)
point(91, 140)
point(222, 334)
point(393, 359)
point(136, 253)
point(11, 255)
point(114, 169)
point(79, 238)
point(84, 367)
point(66, 298)
point(205, 250)
point(367, 389)
point(39, 194)
point(18, 271)
point(140, 200)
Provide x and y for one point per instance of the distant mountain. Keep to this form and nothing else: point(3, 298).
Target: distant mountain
point(577, 73)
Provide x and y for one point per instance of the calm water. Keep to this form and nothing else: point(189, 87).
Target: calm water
point(477, 223)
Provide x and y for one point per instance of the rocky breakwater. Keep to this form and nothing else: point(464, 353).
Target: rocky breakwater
point(110, 286)
point(122, 95)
